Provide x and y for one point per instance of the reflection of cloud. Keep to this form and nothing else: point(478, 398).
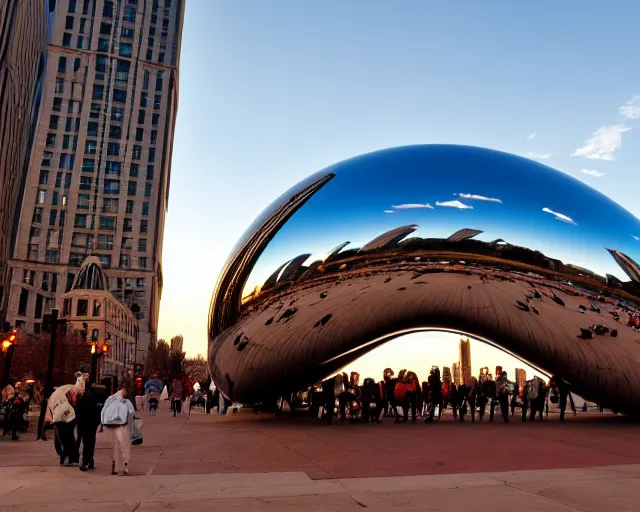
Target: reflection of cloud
point(389, 211)
point(480, 198)
point(538, 156)
point(631, 110)
point(635, 237)
point(603, 143)
point(531, 136)
point(411, 206)
point(593, 172)
point(559, 216)
point(454, 204)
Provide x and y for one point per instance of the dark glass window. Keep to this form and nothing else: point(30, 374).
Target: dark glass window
point(119, 95)
point(72, 6)
point(66, 40)
point(62, 64)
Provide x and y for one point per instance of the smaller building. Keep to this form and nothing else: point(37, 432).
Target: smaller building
point(90, 308)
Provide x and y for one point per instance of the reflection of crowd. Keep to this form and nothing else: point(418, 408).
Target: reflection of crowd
point(404, 395)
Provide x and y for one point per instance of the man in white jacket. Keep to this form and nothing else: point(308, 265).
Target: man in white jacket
point(117, 417)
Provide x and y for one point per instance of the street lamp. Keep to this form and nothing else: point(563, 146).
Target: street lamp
point(8, 346)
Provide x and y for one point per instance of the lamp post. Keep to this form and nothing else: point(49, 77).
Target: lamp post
point(135, 309)
point(50, 323)
point(8, 346)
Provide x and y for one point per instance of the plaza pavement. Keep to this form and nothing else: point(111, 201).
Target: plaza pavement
point(262, 463)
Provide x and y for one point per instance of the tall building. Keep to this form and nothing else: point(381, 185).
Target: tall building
point(176, 344)
point(465, 359)
point(446, 373)
point(98, 176)
point(628, 264)
point(521, 379)
point(498, 371)
point(457, 374)
point(24, 28)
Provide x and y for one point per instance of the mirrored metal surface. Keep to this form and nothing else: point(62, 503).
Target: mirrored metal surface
point(452, 238)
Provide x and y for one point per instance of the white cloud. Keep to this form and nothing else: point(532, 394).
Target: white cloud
point(531, 136)
point(538, 156)
point(454, 204)
point(389, 211)
point(635, 237)
point(593, 172)
point(559, 216)
point(603, 143)
point(631, 110)
point(480, 198)
point(411, 206)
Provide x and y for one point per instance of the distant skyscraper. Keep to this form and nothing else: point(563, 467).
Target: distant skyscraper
point(628, 264)
point(99, 169)
point(446, 372)
point(465, 359)
point(24, 29)
point(176, 344)
point(484, 373)
point(457, 374)
point(521, 379)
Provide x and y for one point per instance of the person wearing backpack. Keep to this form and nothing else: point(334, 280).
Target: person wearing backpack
point(117, 416)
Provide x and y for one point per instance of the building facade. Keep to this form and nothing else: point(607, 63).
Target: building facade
point(457, 374)
point(24, 28)
point(521, 380)
point(465, 359)
point(98, 179)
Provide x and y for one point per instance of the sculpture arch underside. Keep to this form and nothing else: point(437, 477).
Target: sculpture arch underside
point(519, 294)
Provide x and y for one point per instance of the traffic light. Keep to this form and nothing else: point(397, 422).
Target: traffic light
point(105, 348)
point(93, 349)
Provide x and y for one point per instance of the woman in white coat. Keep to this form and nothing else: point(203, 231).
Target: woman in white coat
point(117, 418)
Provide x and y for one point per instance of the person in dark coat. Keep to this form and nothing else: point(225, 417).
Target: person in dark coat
point(435, 389)
point(329, 399)
point(487, 395)
point(371, 401)
point(88, 411)
point(461, 398)
point(561, 389)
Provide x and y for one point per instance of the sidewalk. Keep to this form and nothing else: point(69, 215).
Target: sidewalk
point(248, 462)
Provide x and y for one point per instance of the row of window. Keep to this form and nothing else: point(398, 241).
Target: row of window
point(43, 306)
point(44, 178)
point(72, 124)
point(49, 281)
point(86, 221)
point(105, 242)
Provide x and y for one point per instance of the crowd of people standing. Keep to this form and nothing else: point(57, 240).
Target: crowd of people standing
point(403, 395)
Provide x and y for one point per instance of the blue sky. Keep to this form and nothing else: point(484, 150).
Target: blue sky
point(271, 92)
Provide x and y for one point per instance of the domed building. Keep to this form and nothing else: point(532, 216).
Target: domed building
point(90, 308)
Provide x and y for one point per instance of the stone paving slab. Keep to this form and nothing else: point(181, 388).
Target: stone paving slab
point(251, 462)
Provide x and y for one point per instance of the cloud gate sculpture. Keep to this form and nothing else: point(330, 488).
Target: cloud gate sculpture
point(432, 237)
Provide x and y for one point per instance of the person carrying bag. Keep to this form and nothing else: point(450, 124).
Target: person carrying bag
point(117, 417)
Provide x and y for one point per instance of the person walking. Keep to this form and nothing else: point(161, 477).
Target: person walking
point(502, 390)
point(61, 412)
point(176, 396)
point(117, 417)
point(88, 412)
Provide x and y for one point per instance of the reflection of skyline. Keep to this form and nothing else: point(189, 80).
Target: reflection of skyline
point(394, 244)
point(523, 188)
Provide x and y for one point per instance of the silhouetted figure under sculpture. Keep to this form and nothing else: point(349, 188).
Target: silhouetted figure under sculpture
point(371, 401)
point(560, 389)
point(435, 391)
point(487, 396)
point(329, 399)
point(462, 397)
